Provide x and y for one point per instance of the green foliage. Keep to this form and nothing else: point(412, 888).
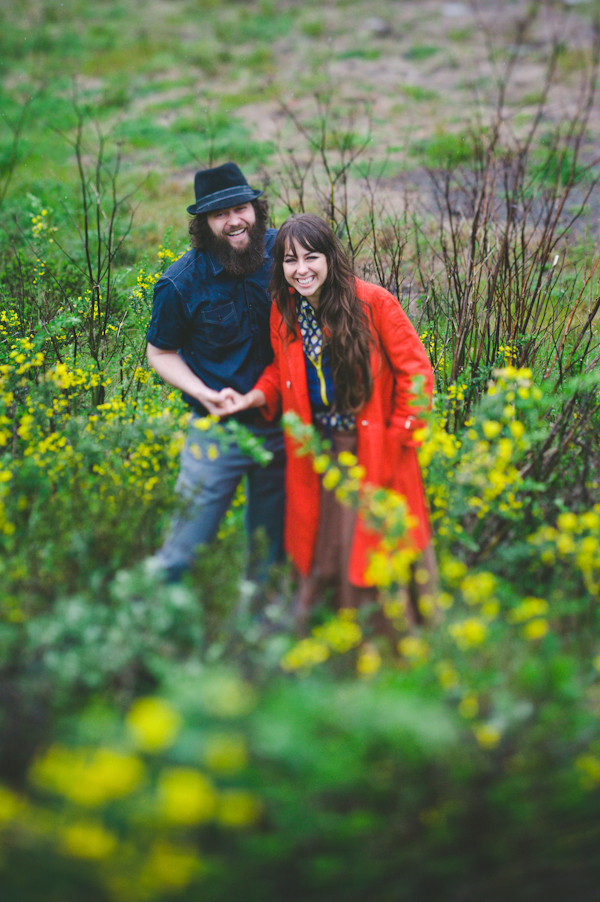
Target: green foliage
point(313, 28)
point(182, 742)
point(555, 165)
point(361, 53)
point(115, 635)
point(445, 149)
point(245, 25)
point(420, 52)
point(418, 93)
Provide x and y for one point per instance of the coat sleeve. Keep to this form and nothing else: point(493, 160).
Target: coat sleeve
point(408, 360)
point(269, 382)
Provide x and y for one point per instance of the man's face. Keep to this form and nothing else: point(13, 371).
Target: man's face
point(233, 225)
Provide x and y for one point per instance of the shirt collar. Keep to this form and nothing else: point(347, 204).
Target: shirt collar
point(216, 266)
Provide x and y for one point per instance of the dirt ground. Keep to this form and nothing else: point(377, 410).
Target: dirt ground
point(413, 70)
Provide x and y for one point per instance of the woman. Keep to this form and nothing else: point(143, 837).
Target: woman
point(345, 358)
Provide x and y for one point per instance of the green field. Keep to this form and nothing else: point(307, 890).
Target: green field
point(184, 742)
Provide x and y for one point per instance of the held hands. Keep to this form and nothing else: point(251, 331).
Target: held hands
point(228, 401)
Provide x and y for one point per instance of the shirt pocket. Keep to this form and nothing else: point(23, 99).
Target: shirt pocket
point(219, 324)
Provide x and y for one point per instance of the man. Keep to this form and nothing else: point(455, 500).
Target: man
point(210, 330)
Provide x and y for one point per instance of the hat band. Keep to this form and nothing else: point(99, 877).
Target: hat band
point(218, 200)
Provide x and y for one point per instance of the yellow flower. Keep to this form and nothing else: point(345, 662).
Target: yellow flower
point(536, 629)
point(88, 776)
point(88, 839)
point(468, 633)
point(347, 459)
point(169, 867)
point(468, 707)
point(444, 600)
point(213, 452)
point(226, 695)
point(331, 478)
point(487, 735)
point(305, 654)
point(491, 428)
point(589, 765)
point(490, 609)
point(357, 472)
point(478, 587)
point(238, 809)
point(321, 462)
point(453, 571)
point(413, 647)
point(447, 675)
point(225, 753)
point(186, 796)
point(340, 634)
point(529, 608)
point(153, 724)
point(10, 805)
point(369, 660)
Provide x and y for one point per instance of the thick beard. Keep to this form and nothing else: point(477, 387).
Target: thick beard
point(245, 261)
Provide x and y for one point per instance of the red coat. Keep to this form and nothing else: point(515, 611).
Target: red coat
point(385, 446)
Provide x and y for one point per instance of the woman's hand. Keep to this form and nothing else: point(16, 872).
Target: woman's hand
point(233, 401)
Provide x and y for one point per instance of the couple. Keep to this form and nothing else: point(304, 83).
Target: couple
point(342, 355)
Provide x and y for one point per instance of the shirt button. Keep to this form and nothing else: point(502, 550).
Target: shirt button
point(288, 384)
point(364, 422)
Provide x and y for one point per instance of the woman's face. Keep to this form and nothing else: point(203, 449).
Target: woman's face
point(305, 271)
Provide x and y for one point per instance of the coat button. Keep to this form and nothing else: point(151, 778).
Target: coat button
point(364, 422)
point(288, 384)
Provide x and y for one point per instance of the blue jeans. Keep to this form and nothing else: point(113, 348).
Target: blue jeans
point(206, 485)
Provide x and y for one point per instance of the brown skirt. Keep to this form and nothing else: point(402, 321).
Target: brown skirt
point(333, 545)
point(332, 556)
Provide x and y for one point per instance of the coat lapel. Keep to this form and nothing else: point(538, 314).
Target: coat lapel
point(294, 354)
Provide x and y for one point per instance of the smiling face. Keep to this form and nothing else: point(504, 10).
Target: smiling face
point(305, 270)
point(233, 224)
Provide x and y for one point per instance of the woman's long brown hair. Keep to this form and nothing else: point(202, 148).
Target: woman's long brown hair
point(340, 313)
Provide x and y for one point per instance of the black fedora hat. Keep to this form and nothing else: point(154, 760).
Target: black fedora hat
point(220, 188)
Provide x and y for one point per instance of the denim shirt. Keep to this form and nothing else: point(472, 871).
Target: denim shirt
point(219, 323)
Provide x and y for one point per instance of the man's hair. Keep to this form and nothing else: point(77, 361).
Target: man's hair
point(201, 234)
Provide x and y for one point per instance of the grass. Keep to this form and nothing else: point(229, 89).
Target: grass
point(420, 52)
point(313, 28)
point(361, 53)
point(418, 93)
point(444, 149)
point(169, 86)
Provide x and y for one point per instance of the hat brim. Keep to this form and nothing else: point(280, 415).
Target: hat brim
point(223, 200)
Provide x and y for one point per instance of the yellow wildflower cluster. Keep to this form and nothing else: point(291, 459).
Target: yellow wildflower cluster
point(145, 280)
point(39, 225)
point(9, 323)
point(478, 591)
point(484, 463)
point(575, 539)
point(40, 433)
point(88, 776)
point(94, 783)
point(340, 634)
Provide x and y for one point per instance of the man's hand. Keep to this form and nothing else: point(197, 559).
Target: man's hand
point(174, 370)
point(234, 402)
point(218, 403)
